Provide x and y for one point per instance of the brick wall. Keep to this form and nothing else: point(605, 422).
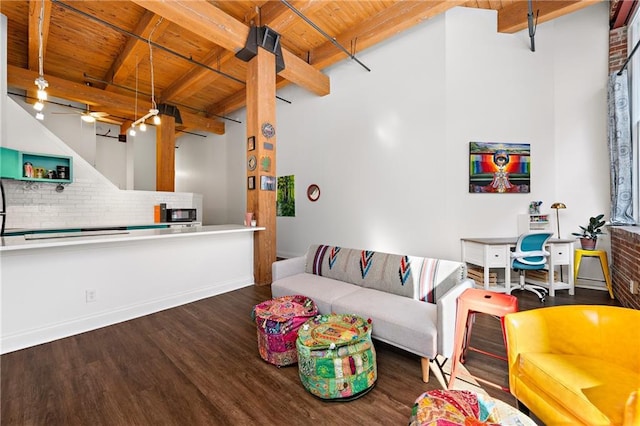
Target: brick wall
point(625, 252)
point(617, 48)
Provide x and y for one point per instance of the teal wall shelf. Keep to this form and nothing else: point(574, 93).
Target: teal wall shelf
point(12, 166)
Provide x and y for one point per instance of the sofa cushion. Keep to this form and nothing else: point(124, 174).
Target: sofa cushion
point(323, 291)
point(409, 276)
point(406, 323)
point(589, 388)
point(390, 273)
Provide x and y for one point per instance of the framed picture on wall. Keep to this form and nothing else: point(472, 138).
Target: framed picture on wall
point(251, 143)
point(499, 167)
point(268, 183)
point(251, 182)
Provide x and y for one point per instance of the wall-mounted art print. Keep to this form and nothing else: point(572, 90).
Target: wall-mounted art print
point(286, 196)
point(268, 183)
point(251, 143)
point(251, 182)
point(499, 167)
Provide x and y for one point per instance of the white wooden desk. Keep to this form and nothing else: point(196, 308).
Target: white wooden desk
point(496, 253)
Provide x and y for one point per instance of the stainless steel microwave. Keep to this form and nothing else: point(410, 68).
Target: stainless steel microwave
point(181, 215)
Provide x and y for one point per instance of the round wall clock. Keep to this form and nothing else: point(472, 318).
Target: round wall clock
point(268, 131)
point(313, 192)
point(252, 162)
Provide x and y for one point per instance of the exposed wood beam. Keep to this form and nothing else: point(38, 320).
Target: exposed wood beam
point(216, 26)
point(107, 101)
point(166, 154)
point(135, 50)
point(391, 21)
point(197, 77)
point(35, 7)
point(513, 18)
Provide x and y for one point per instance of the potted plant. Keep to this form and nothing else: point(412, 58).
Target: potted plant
point(590, 233)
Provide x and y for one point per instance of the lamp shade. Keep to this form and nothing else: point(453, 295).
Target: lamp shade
point(558, 206)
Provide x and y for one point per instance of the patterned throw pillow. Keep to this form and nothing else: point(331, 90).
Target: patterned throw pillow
point(409, 276)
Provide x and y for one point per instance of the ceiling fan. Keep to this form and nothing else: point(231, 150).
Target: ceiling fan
point(92, 116)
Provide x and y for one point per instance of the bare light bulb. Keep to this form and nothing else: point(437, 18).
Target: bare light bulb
point(143, 127)
point(40, 116)
point(38, 106)
point(132, 131)
point(156, 120)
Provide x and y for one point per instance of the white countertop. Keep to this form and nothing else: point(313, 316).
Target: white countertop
point(60, 239)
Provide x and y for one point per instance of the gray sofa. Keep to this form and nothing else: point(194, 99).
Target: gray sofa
point(411, 300)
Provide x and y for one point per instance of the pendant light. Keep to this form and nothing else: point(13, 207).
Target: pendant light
point(132, 130)
point(40, 81)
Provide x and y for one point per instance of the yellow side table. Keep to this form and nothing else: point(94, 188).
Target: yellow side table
point(604, 264)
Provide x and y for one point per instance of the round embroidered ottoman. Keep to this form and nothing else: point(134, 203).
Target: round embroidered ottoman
point(460, 407)
point(336, 358)
point(278, 321)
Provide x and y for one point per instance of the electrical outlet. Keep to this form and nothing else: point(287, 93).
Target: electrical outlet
point(633, 287)
point(90, 296)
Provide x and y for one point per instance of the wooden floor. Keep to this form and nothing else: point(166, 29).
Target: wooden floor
point(198, 364)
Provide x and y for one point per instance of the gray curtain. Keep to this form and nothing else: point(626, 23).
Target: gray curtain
point(620, 150)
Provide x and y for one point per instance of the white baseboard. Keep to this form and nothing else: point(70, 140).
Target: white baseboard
point(49, 333)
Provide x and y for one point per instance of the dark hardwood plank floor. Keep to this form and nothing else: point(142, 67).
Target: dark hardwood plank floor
point(198, 364)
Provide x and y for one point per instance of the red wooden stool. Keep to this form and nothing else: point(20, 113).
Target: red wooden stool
point(470, 302)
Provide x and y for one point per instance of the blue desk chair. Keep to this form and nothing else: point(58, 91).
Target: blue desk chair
point(530, 255)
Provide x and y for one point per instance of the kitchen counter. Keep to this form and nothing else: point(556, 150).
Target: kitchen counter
point(56, 238)
point(55, 285)
point(10, 232)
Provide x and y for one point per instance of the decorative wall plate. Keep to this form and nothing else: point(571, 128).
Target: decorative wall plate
point(252, 162)
point(268, 131)
point(313, 192)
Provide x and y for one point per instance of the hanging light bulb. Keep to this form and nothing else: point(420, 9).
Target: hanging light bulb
point(40, 81)
point(156, 120)
point(132, 131)
point(143, 127)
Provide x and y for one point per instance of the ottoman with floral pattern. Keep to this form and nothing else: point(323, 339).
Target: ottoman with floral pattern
point(278, 321)
point(336, 358)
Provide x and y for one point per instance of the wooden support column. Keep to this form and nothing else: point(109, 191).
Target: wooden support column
point(261, 111)
point(166, 154)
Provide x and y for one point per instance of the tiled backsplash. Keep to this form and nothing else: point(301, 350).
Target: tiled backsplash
point(85, 203)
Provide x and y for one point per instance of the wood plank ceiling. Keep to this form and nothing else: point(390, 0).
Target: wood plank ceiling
point(97, 52)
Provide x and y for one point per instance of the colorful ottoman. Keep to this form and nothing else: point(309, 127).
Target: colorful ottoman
point(464, 408)
point(278, 321)
point(336, 358)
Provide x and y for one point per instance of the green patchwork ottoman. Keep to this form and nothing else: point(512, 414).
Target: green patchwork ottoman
point(336, 358)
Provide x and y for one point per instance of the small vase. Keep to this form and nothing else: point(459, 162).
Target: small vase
point(247, 219)
point(588, 243)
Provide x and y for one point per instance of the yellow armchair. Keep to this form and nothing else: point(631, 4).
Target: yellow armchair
point(577, 364)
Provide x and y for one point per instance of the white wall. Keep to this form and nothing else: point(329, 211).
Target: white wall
point(201, 166)
point(389, 148)
point(91, 200)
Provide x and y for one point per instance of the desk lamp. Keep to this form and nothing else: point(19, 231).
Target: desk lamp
point(557, 206)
